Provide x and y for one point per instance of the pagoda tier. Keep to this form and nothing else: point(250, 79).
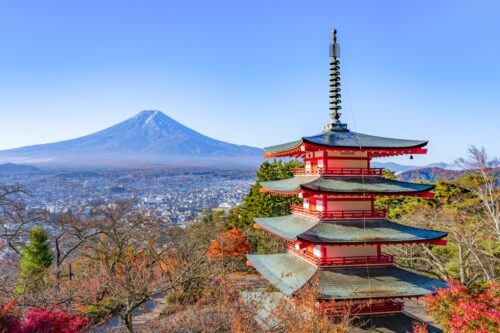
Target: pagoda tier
point(359, 185)
point(343, 140)
point(290, 273)
point(295, 228)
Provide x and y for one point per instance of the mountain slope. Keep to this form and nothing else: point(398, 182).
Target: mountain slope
point(17, 168)
point(430, 174)
point(399, 168)
point(149, 136)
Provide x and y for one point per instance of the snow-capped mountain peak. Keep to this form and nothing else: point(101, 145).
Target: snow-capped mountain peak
point(150, 135)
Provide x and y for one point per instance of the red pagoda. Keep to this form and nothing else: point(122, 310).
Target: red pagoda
point(336, 235)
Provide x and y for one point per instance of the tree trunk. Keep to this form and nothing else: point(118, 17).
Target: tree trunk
point(127, 319)
point(461, 264)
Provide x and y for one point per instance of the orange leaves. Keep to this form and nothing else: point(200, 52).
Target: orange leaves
point(419, 327)
point(232, 243)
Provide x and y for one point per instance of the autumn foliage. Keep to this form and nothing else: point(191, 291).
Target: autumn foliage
point(419, 327)
point(232, 243)
point(459, 310)
point(39, 320)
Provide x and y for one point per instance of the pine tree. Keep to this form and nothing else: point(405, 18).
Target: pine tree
point(257, 204)
point(36, 259)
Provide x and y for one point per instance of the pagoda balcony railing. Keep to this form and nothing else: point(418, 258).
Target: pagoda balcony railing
point(339, 308)
point(339, 214)
point(345, 261)
point(338, 171)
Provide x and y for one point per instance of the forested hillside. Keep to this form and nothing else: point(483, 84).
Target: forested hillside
point(70, 273)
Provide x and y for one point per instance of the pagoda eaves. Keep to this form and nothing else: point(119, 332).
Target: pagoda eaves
point(346, 232)
point(347, 141)
point(345, 185)
point(348, 283)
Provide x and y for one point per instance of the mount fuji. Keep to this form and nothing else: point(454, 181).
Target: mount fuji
point(149, 138)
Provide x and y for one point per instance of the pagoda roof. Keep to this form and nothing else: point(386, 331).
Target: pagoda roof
point(343, 184)
point(290, 273)
point(296, 227)
point(343, 138)
point(289, 226)
point(286, 271)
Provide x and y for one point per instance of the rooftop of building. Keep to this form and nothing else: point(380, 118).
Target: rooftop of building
point(344, 138)
point(390, 323)
point(343, 185)
point(296, 227)
point(289, 273)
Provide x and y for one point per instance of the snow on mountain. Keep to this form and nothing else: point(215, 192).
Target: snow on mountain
point(150, 136)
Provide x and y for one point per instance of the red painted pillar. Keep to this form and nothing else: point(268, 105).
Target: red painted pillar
point(325, 160)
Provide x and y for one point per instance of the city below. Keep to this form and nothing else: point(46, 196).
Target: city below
point(178, 195)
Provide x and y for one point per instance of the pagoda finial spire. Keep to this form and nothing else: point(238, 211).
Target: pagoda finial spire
point(335, 85)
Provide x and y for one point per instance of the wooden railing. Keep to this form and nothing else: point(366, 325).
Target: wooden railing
point(339, 214)
point(345, 261)
point(339, 308)
point(338, 171)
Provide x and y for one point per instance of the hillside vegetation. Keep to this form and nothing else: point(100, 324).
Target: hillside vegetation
point(86, 270)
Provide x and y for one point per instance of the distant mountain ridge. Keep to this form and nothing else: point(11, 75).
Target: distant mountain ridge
point(17, 168)
point(398, 168)
point(149, 137)
point(431, 174)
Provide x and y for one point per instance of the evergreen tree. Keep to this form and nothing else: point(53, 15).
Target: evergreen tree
point(36, 259)
point(257, 204)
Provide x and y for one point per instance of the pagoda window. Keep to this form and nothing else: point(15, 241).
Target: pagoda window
point(306, 203)
point(320, 164)
point(317, 251)
point(308, 166)
point(319, 205)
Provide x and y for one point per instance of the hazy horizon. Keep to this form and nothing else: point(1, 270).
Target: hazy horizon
point(252, 74)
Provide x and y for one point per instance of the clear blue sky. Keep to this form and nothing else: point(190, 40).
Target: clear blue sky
point(252, 72)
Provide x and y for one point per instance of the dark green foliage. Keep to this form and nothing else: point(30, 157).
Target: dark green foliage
point(389, 174)
point(37, 256)
point(257, 204)
point(36, 259)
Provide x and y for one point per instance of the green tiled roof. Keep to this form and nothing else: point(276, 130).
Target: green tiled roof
point(289, 273)
point(348, 139)
point(373, 282)
point(267, 303)
point(346, 185)
point(393, 323)
point(299, 227)
point(288, 226)
point(284, 270)
point(283, 147)
point(288, 185)
point(369, 231)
